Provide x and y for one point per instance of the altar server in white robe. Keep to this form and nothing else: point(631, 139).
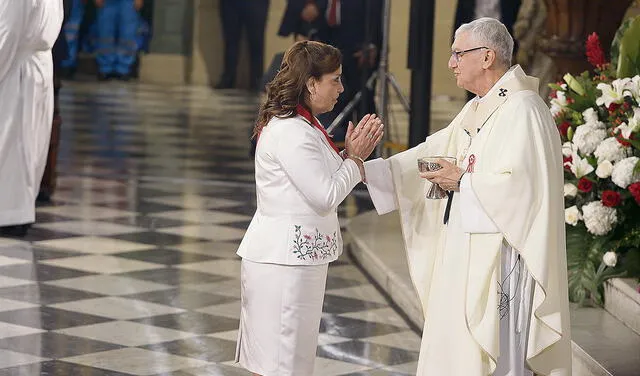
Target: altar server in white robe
point(28, 30)
point(301, 178)
point(490, 270)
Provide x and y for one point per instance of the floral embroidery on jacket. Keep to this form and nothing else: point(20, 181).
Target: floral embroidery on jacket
point(314, 245)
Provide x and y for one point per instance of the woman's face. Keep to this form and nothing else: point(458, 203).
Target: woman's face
point(325, 92)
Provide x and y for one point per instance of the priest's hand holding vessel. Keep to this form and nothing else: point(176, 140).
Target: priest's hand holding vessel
point(442, 173)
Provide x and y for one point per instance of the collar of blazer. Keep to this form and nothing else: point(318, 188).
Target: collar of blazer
point(306, 115)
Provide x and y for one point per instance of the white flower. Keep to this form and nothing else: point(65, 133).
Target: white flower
point(624, 130)
point(588, 137)
point(613, 93)
point(634, 122)
point(572, 215)
point(610, 259)
point(569, 148)
point(570, 190)
point(633, 126)
point(598, 218)
point(604, 169)
point(555, 109)
point(622, 174)
point(632, 89)
point(580, 167)
point(610, 150)
point(590, 115)
point(558, 103)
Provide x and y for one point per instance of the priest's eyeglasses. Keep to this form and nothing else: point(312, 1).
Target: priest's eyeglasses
point(458, 54)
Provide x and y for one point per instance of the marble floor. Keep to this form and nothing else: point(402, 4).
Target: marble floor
point(131, 270)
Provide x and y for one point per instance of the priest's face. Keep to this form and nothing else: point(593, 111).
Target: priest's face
point(466, 62)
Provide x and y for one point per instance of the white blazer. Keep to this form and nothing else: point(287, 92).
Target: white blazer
point(300, 181)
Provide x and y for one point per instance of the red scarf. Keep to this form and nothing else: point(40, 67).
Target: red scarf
point(314, 122)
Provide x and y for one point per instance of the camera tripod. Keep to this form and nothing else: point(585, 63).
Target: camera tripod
point(384, 80)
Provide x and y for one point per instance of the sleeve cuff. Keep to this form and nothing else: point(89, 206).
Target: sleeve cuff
point(353, 169)
point(380, 185)
point(473, 217)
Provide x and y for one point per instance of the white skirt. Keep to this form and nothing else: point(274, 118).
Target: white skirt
point(280, 318)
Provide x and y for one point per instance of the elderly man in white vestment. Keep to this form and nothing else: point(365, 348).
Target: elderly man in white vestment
point(488, 262)
point(28, 30)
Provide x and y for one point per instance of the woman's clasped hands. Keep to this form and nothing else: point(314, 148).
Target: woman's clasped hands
point(363, 138)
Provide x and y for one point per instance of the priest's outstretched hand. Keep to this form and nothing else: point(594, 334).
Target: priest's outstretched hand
point(447, 177)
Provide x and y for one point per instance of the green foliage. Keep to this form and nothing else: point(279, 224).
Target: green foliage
point(581, 260)
point(636, 144)
point(583, 92)
point(584, 253)
point(631, 262)
point(615, 44)
point(574, 84)
point(628, 59)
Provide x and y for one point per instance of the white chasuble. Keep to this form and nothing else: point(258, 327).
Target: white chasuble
point(509, 215)
point(28, 30)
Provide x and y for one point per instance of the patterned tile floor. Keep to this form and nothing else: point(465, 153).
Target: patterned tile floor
point(132, 269)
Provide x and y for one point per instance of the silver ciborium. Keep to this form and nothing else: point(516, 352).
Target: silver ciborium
point(426, 164)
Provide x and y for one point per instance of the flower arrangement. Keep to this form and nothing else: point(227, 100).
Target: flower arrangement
point(598, 117)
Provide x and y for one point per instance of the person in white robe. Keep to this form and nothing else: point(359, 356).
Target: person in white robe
point(28, 30)
point(488, 261)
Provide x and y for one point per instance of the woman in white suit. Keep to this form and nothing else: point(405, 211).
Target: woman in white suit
point(301, 178)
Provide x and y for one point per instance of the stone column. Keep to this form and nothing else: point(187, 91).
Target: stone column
point(208, 45)
point(168, 60)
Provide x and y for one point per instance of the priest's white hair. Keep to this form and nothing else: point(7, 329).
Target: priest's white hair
point(490, 33)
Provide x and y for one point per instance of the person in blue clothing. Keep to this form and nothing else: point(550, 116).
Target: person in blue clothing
point(72, 36)
point(117, 28)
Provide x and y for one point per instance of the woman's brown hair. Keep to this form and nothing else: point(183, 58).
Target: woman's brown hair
point(302, 61)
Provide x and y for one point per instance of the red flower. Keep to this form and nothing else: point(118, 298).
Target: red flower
point(567, 161)
point(613, 107)
point(635, 191)
point(563, 128)
point(611, 198)
point(585, 185)
point(623, 141)
point(554, 94)
point(595, 54)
